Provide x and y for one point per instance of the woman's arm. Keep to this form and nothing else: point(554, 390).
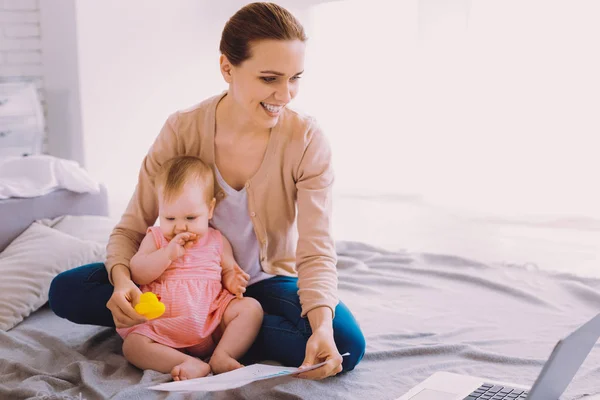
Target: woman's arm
point(320, 317)
point(315, 255)
point(120, 274)
point(142, 209)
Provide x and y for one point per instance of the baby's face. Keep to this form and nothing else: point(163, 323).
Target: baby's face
point(187, 212)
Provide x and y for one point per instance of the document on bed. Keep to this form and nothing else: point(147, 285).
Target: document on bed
point(233, 379)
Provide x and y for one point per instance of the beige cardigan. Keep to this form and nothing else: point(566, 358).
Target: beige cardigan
point(289, 198)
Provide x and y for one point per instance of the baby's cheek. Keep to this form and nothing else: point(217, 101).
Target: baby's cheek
point(202, 226)
point(166, 230)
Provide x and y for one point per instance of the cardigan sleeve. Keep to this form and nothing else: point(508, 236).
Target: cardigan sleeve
point(315, 254)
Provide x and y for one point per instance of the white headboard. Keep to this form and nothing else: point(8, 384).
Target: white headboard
point(17, 214)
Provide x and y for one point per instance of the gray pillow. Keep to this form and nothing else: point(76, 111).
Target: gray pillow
point(31, 261)
point(86, 227)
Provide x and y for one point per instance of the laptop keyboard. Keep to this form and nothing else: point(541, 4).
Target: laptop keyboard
point(495, 392)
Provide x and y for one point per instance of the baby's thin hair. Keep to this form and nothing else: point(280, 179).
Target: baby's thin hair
point(178, 171)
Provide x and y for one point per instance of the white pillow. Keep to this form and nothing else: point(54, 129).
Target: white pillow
point(86, 227)
point(31, 261)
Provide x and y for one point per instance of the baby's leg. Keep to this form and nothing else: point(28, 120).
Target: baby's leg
point(145, 353)
point(240, 326)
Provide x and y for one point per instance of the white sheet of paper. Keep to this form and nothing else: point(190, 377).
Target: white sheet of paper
point(233, 379)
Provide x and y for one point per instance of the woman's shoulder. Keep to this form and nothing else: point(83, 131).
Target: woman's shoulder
point(301, 132)
point(194, 116)
point(303, 142)
point(204, 106)
point(299, 127)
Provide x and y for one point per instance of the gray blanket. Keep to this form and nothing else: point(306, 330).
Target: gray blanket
point(421, 313)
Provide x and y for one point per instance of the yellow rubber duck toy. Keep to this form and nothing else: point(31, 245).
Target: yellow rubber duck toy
point(150, 306)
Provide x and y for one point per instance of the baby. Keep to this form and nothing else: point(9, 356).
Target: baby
point(186, 263)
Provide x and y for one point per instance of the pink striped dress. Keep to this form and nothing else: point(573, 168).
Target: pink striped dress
point(194, 298)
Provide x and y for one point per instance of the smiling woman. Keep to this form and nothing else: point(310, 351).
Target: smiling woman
point(268, 62)
point(273, 185)
point(266, 82)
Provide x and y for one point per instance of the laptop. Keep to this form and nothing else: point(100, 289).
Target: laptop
point(558, 371)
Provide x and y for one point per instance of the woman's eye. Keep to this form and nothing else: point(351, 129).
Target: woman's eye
point(295, 78)
point(268, 79)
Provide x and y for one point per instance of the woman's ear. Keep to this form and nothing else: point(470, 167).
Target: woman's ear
point(226, 68)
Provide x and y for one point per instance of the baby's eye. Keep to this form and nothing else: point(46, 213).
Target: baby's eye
point(191, 218)
point(170, 219)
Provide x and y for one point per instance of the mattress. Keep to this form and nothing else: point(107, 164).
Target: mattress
point(420, 313)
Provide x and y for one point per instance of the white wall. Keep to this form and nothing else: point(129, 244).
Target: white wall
point(489, 107)
point(139, 61)
point(21, 43)
point(61, 79)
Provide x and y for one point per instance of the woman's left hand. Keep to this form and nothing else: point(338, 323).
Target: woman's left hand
point(319, 348)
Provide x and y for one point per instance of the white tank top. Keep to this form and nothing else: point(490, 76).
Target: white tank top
point(232, 218)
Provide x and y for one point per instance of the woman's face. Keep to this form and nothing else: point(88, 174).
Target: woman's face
point(266, 82)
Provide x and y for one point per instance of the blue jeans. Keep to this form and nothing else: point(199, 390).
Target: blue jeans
point(80, 295)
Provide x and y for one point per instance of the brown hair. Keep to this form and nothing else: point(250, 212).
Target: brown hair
point(257, 21)
point(178, 171)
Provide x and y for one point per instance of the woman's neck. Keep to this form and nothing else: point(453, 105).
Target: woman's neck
point(231, 120)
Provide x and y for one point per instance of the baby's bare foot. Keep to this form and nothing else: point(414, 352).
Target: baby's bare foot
point(221, 362)
point(190, 369)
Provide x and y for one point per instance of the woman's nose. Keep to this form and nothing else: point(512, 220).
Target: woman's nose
point(283, 94)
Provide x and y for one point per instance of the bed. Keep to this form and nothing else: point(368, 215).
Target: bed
point(420, 313)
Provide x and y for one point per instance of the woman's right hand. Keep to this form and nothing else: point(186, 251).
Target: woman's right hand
point(125, 295)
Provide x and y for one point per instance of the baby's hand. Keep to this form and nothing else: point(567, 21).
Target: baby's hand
point(178, 245)
point(235, 280)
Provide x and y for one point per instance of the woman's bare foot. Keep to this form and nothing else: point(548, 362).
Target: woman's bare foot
point(190, 369)
point(221, 362)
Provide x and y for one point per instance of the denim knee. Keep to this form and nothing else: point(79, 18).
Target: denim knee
point(69, 288)
point(355, 345)
point(57, 304)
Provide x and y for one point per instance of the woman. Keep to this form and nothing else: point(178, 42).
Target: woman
point(274, 177)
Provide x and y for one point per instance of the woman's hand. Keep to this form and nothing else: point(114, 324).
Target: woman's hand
point(125, 295)
point(235, 280)
point(319, 348)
